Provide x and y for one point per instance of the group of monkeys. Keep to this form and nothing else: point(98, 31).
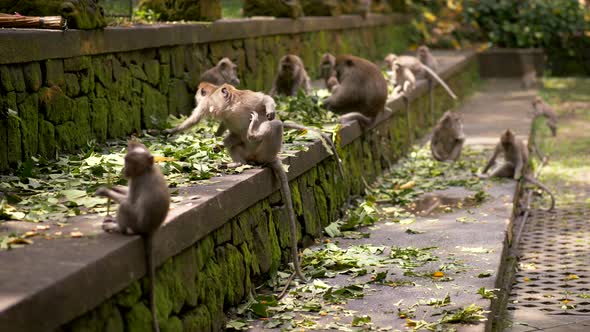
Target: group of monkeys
point(358, 92)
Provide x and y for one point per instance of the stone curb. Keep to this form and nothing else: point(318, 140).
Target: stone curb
point(26, 45)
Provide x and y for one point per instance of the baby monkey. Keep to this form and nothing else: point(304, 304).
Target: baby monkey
point(405, 83)
point(447, 138)
point(516, 157)
point(143, 206)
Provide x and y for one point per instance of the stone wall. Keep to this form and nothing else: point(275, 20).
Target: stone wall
point(197, 285)
point(59, 90)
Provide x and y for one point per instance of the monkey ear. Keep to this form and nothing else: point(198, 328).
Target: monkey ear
point(349, 62)
point(223, 65)
point(150, 159)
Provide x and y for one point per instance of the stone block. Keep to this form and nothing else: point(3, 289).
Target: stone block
point(99, 118)
point(104, 318)
point(152, 71)
point(78, 63)
point(33, 76)
point(204, 251)
point(173, 324)
point(119, 120)
point(138, 319)
point(53, 71)
point(103, 69)
point(180, 99)
point(6, 79)
point(164, 55)
point(164, 79)
point(165, 290)
point(232, 262)
point(177, 63)
point(137, 72)
point(72, 86)
point(66, 136)
point(55, 105)
point(197, 320)
point(18, 78)
point(154, 108)
point(123, 82)
point(3, 138)
point(47, 142)
point(82, 120)
point(28, 111)
point(223, 234)
point(86, 80)
point(129, 296)
point(13, 142)
point(185, 265)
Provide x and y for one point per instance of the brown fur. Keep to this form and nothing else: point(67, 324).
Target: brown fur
point(143, 206)
point(224, 72)
point(362, 88)
point(327, 72)
point(541, 108)
point(291, 77)
point(447, 138)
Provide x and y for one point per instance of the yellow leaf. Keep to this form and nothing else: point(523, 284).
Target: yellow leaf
point(76, 234)
point(20, 240)
point(430, 17)
point(410, 323)
point(323, 313)
point(572, 277)
point(408, 185)
point(30, 234)
point(158, 159)
point(438, 274)
point(526, 279)
point(41, 227)
point(566, 301)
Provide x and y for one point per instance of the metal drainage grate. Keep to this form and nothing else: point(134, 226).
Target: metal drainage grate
point(554, 266)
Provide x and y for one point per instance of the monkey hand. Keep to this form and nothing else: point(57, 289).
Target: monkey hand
point(102, 192)
point(169, 131)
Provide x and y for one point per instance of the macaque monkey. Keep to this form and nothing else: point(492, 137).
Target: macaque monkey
point(327, 72)
point(143, 206)
point(361, 92)
point(541, 108)
point(223, 72)
point(516, 157)
point(291, 77)
point(405, 84)
point(447, 138)
point(253, 139)
point(425, 56)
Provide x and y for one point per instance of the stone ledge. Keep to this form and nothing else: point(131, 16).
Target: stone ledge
point(26, 45)
point(51, 282)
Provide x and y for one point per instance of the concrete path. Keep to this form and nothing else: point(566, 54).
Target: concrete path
point(470, 240)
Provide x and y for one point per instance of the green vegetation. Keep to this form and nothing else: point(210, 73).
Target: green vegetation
point(231, 8)
point(569, 160)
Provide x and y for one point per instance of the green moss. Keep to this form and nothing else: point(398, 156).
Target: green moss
point(137, 72)
point(72, 86)
point(152, 71)
point(251, 264)
point(275, 249)
point(198, 320)
point(33, 77)
point(99, 118)
point(185, 265)
point(6, 79)
point(103, 69)
point(154, 108)
point(212, 283)
point(138, 319)
point(18, 78)
point(173, 324)
point(180, 99)
point(104, 318)
point(66, 136)
point(177, 63)
point(54, 72)
point(232, 263)
point(55, 105)
point(29, 114)
point(170, 294)
point(3, 138)
point(76, 64)
point(119, 119)
point(13, 141)
point(47, 142)
point(164, 79)
point(223, 234)
point(129, 296)
point(86, 80)
point(204, 251)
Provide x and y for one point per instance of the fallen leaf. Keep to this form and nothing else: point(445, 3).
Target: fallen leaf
point(572, 277)
point(30, 234)
point(42, 227)
point(76, 234)
point(526, 279)
point(408, 185)
point(20, 240)
point(438, 274)
point(158, 159)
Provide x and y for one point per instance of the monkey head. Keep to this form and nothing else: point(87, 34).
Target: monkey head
point(288, 65)
point(423, 52)
point(327, 64)
point(204, 90)
point(228, 71)
point(453, 122)
point(507, 138)
point(390, 59)
point(138, 160)
point(222, 99)
point(83, 14)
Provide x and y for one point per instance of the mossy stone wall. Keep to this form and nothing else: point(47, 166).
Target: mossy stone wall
point(195, 287)
point(57, 105)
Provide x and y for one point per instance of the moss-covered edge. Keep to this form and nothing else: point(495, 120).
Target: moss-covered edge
point(195, 287)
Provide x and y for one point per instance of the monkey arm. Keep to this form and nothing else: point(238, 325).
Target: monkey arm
point(112, 194)
point(457, 149)
point(220, 130)
point(198, 113)
point(492, 160)
point(256, 130)
point(270, 106)
point(273, 89)
point(519, 165)
point(121, 189)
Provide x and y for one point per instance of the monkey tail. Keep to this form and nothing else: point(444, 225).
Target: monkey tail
point(364, 121)
point(277, 167)
point(326, 137)
point(434, 75)
point(542, 186)
point(151, 273)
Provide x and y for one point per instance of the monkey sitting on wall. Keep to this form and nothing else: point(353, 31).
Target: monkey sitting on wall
point(361, 92)
point(224, 72)
point(253, 139)
point(143, 206)
point(291, 77)
point(447, 138)
point(516, 156)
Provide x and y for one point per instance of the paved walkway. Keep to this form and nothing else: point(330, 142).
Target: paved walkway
point(468, 241)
